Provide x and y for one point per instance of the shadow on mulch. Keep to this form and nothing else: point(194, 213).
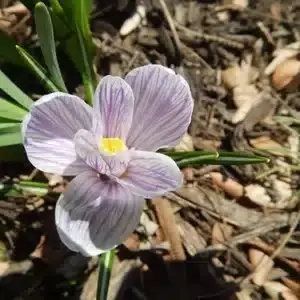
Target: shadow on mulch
point(191, 280)
point(195, 278)
point(65, 273)
point(39, 283)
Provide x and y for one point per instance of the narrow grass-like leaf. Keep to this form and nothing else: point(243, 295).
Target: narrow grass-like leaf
point(32, 187)
point(10, 134)
point(11, 111)
point(176, 155)
point(196, 160)
point(29, 187)
point(14, 92)
point(8, 51)
point(88, 74)
point(45, 32)
point(37, 70)
point(77, 15)
point(236, 158)
point(215, 158)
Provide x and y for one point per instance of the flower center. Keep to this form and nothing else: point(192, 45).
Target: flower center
point(112, 146)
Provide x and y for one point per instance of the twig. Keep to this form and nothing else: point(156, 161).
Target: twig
point(286, 238)
point(167, 221)
point(208, 37)
point(261, 245)
point(171, 24)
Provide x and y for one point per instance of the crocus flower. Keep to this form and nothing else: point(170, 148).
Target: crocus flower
point(110, 149)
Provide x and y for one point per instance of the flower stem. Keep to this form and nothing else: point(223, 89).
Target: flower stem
point(105, 266)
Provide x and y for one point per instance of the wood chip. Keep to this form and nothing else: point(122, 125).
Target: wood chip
point(262, 265)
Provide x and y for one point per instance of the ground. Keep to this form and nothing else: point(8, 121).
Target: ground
point(232, 232)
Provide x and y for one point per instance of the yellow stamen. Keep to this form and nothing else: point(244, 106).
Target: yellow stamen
point(112, 145)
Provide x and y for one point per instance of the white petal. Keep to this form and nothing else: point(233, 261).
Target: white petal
point(162, 108)
point(95, 216)
point(48, 132)
point(151, 174)
point(114, 101)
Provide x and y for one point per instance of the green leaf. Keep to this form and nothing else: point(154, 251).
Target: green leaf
point(201, 158)
point(45, 32)
point(37, 70)
point(29, 187)
point(237, 158)
point(8, 51)
point(77, 15)
point(215, 158)
point(14, 92)
point(32, 187)
point(176, 155)
point(77, 12)
point(11, 111)
point(10, 134)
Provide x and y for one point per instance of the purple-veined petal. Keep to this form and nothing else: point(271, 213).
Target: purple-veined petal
point(48, 131)
point(87, 148)
point(114, 101)
point(162, 108)
point(151, 174)
point(94, 216)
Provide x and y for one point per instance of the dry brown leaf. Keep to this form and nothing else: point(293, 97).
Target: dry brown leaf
point(221, 232)
point(240, 79)
point(132, 242)
point(262, 265)
point(203, 144)
point(246, 94)
point(186, 144)
point(231, 76)
point(188, 174)
point(258, 194)
point(53, 179)
point(275, 10)
point(275, 289)
point(281, 55)
point(286, 74)
point(17, 8)
point(244, 295)
point(239, 75)
point(267, 144)
point(239, 3)
point(283, 191)
point(149, 227)
point(228, 185)
point(292, 285)
point(288, 295)
point(4, 266)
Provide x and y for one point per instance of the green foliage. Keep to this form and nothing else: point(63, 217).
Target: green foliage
point(77, 15)
point(215, 158)
point(45, 32)
point(8, 87)
point(9, 110)
point(10, 134)
point(37, 69)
